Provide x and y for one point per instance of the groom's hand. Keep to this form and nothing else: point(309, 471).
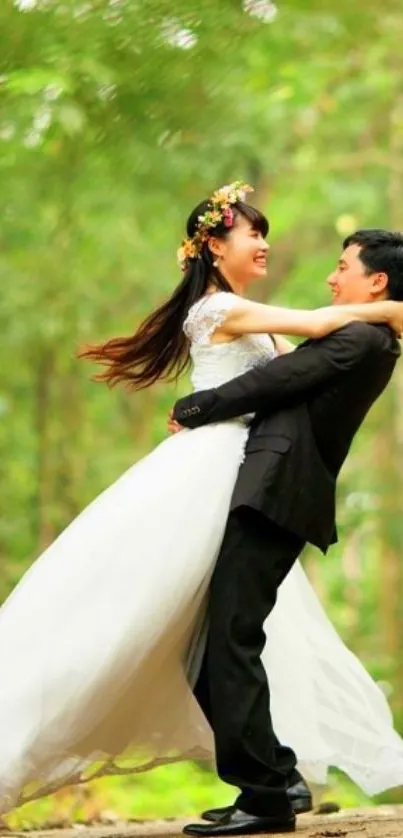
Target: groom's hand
point(172, 425)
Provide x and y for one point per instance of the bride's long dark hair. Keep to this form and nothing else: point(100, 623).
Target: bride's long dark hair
point(159, 348)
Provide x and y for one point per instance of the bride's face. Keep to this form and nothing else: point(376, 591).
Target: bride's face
point(242, 255)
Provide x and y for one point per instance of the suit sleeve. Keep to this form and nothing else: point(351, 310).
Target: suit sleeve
point(285, 381)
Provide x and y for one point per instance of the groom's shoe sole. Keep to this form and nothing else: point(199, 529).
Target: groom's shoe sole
point(240, 823)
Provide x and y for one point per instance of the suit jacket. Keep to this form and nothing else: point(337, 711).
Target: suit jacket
point(308, 405)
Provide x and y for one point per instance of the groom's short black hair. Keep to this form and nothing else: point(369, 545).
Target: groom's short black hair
point(381, 251)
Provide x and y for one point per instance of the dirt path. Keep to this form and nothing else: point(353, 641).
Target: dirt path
point(382, 822)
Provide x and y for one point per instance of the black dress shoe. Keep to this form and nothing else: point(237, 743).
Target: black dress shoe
point(299, 796)
point(240, 823)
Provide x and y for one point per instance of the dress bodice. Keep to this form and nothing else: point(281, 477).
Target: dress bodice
point(215, 363)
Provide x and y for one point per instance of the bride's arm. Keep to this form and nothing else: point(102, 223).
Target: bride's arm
point(247, 317)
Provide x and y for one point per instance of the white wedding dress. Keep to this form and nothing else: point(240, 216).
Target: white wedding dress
point(101, 638)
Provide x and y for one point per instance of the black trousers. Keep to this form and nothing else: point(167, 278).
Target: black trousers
point(232, 687)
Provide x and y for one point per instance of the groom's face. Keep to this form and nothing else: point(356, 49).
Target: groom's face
point(352, 283)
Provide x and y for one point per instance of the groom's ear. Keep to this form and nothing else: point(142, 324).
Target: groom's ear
point(379, 283)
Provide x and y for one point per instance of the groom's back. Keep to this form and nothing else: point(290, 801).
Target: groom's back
point(338, 410)
point(293, 455)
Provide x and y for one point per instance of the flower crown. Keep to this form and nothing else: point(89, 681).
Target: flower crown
point(220, 212)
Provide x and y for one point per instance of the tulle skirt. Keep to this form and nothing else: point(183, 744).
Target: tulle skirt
point(101, 641)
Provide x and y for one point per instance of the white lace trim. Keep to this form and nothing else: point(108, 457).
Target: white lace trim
point(207, 315)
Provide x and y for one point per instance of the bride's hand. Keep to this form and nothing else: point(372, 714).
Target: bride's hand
point(173, 426)
point(395, 316)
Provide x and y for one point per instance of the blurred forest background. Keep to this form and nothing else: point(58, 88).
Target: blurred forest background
point(117, 117)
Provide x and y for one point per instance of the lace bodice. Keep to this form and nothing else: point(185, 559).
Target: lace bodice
point(216, 363)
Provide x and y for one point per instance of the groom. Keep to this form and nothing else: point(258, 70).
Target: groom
point(308, 406)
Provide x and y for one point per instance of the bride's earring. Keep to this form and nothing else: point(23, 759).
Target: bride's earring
point(216, 261)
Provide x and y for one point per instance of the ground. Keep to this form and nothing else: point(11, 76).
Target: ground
point(380, 822)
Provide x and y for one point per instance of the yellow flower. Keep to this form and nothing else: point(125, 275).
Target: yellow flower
point(180, 255)
point(231, 193)
point(186, 251)
point(214, 217)
point(221, 196)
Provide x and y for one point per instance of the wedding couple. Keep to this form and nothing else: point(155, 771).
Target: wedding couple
point(160, 588)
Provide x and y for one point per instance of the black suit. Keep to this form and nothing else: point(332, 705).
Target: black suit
point(308, 406)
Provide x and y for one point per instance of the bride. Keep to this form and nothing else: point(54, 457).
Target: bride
point(101, 640)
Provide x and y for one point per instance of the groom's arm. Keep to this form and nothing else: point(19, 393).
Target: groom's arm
point(284, 381)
